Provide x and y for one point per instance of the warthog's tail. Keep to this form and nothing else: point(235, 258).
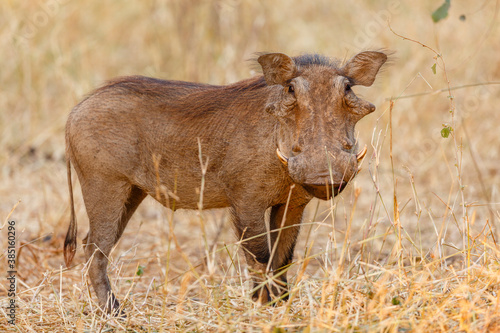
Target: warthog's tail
point(70, 241)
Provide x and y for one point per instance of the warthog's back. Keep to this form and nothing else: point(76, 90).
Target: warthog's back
point(121, 129)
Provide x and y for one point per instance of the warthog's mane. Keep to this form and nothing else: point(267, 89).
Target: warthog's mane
point(303, 61)
point(315, 59)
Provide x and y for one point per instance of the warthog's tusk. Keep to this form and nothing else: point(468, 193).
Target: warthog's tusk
point(361, 155)
point(282, 157)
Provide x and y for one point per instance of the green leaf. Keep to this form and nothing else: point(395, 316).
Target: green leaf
point(140, 270)
point(445, 132)
point(433, 68)
point(395, 301)
point(441, 12)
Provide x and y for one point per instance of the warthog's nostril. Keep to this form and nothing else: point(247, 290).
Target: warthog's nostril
point(296, 148)
point(347, 145)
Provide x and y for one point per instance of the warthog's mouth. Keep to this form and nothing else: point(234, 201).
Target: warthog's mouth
point(324, 191)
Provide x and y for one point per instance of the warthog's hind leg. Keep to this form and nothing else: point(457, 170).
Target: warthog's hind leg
point(109, 206)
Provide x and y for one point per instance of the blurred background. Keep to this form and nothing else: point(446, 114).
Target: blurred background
point(54, 52)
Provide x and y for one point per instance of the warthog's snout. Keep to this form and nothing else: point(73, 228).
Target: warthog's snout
point(328, 183)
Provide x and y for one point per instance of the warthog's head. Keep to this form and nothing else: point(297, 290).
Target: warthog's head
point(317, 111)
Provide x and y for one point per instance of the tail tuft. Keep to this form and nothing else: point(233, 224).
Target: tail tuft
point(70, 241)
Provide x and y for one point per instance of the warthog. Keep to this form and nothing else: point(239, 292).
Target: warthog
point(272, 141)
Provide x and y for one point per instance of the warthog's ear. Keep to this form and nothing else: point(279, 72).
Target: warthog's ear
point(278, 68)
point(364, 66)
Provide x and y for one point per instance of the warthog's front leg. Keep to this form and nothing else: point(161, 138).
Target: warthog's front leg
point(251, 230)
point(285, 226)
point(259, 252)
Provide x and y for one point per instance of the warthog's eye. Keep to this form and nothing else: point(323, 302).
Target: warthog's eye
point(290, 89)
point(347, 88)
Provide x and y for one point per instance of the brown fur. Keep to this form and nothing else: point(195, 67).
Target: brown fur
point(115, 134)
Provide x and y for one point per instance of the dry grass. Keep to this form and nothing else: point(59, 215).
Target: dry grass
point(410, 246)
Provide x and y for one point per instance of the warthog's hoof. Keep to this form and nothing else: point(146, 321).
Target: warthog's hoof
point(264, 297)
